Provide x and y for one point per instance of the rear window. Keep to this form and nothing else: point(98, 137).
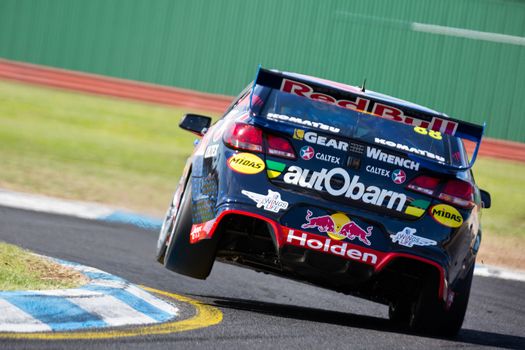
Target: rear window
point(362, 126)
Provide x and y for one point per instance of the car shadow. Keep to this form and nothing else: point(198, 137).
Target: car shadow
point(466, 336)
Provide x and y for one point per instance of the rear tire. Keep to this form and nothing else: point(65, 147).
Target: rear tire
point(429, 314)
point(164, 233)
point(193, 260)
point(399, 312)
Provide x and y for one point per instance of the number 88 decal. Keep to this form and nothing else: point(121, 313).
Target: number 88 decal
point(434, 134)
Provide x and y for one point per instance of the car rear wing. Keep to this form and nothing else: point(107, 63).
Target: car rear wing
point(349, 97)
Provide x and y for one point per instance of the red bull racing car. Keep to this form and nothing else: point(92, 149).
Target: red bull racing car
point(337, 186)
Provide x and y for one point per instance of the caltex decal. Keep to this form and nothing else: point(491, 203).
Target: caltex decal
point(307, 152)
point(398, 176)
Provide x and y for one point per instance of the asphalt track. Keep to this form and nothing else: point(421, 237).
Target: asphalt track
point(259, 311)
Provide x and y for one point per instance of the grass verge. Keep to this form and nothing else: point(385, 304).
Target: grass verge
point(22, 270)
point(94, 148)
point(130, 154)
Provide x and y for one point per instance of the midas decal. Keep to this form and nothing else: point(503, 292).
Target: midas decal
point(350, 188)
point(246, 163)
point(375, 108)
point(446, 215)
point(326, 245)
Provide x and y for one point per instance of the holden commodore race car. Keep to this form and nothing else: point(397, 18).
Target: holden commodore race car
point(336, 186)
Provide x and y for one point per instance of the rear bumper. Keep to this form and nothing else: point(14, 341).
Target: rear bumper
point(300, 252)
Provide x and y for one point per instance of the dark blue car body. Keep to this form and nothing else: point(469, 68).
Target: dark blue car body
point(336, 186)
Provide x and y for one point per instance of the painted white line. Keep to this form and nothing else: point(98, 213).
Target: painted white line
point(498, 272)
point(69, 293)
point(152, 300)
point(113, 311)
point(46, 204)
point(88, 269)
point(12, 319)
point(468, 34)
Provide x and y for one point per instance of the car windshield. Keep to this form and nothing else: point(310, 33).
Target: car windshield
point(366, 127)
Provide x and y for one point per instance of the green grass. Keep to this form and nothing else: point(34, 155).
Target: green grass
point(21, 270)
point(505, 181)
point(130, 154)
point(90, 147)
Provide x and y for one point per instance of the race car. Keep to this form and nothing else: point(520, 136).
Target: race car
point(336, 186)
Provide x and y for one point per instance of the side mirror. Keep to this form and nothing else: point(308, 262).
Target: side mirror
point(485, 198)
point(197, 124)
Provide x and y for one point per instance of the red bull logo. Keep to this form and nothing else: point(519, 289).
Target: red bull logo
point(338, 226)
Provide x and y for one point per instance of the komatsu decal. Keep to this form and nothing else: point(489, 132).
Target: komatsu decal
point(303, 122)
point(350, 188)
point(362, 104)
point(377, 154)
point(409, 149)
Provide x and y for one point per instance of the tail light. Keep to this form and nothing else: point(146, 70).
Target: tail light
point(250, 138)
point(280, 147)
point(457, 192)
point(424, 184)
point(245, 137)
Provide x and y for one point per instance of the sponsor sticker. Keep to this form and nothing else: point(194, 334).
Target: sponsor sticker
point(399, 176)
point(338, 226)
point(300, 121)
point(417, 207)
point(298, 134)
point(326, 245)
point(246, 163)
point(409, 149)
point(377, 170)
point(308, 152)
point(271, 202)
point(347, 186)
point(407, 238)
point(377, 154)
point(361, 104)
point(314, 138)
point(211, 151)
point(432, 133)
point(274, 169)
point(201, 231)
point(446, 215)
